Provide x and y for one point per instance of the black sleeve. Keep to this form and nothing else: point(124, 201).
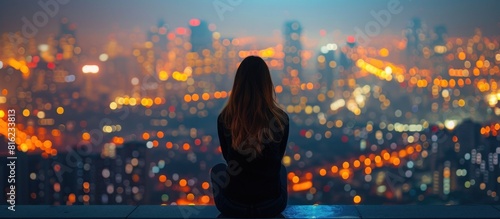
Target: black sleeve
point(284, 141)
point(222, 137)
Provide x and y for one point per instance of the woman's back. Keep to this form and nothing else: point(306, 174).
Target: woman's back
point(253, 133)
point(257, 178)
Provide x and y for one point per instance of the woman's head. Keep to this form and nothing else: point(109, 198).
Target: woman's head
point(252, 105)
point(253, 84)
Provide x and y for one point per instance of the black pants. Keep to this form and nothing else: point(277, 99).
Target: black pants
point(230, 208)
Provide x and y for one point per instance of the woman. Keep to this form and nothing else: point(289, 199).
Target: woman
point(253, 133)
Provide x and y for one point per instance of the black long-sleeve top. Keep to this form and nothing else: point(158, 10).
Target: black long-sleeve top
point(253, 177)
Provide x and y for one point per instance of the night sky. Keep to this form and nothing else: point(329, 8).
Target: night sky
point(96, 20)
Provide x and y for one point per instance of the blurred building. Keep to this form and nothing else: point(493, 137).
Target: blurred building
point(158, 35)
point(327, 62)
point(416, 36)
point(439, 39)
point(292, 48)
point(201, 36)
point(131, 174)
point(45, 180)
point(85, 174)
point(66, 39)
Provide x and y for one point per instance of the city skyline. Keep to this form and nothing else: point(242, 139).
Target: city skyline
point(409, 118)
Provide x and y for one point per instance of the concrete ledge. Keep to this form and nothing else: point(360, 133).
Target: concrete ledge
point(196, 211)
point(428, 211)
point(497, 206)
point(292, 211)
point(63, 211)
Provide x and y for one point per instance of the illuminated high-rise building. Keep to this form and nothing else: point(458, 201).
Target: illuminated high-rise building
point(69, 178)
point(38, 172)
point(87, 175)
point(66, 40)
point(178, 46)
point(158, 35)
point(71, 175)
point(416, 35)
point(333, 63)
point(201, 36)
point(45, 180)
point(439, 37)
point(292, 48)
point(326, 64)
point(231, 59)
point(130, 173)
point(103, 187)
point(121, 68)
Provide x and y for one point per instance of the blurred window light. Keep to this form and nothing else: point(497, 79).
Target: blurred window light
point(194, 22)
point(331, 46)
point(69, 78)
point(134, 81)
point(450, 124)
point(440, 49)
point(92, 69)
point(43, 47)
point(103, 57)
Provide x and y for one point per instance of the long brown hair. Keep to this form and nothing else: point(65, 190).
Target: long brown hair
point(252, 110)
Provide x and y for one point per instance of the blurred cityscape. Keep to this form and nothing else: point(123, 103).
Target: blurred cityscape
point(406, 119)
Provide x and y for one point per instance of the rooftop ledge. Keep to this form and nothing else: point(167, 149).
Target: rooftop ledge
point(292, 211)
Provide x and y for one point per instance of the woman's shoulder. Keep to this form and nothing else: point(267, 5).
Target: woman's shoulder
point(283, 111)
point(282, 116)
point(220, 119)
